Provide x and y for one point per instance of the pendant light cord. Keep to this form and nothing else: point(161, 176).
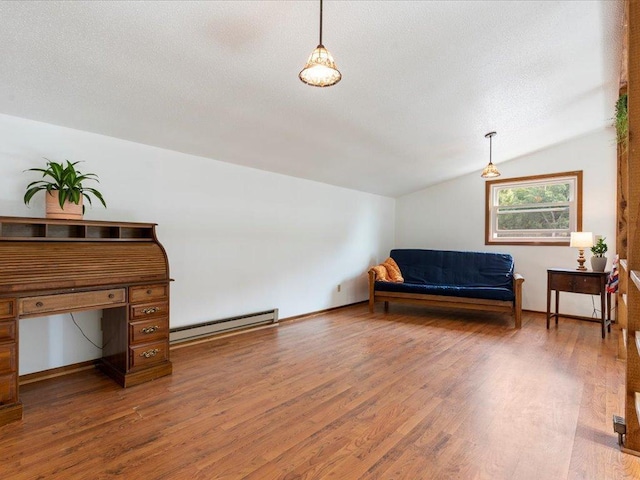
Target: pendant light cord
point(320, 22)
point(490, 144)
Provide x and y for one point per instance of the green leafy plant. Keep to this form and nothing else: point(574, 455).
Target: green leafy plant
point(600, 248)
point(622, 120)
point(66, 180)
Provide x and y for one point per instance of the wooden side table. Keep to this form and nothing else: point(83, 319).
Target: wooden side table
point(576, 281)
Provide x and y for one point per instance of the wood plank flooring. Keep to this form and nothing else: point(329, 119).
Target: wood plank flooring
point(412, 394)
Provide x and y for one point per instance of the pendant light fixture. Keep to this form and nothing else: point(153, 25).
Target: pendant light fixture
point(490, 171)
point(320, 70)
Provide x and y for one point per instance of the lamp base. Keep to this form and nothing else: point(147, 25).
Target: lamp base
point(581, 260)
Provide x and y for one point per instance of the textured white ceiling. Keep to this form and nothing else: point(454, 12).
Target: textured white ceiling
point(422, 81)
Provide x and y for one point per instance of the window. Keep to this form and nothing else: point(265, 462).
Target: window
point(539, 210)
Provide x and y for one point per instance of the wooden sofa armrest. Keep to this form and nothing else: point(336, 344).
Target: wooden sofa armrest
point(518, 280)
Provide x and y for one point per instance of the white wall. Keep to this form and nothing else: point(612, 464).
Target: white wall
point(451, 215)
point(239, 240)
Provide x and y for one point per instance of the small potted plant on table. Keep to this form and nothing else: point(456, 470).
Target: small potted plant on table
point(598, 260)
point(64, 188)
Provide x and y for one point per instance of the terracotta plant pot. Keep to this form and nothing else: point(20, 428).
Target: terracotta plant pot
point(71, 211)
point(598, 264)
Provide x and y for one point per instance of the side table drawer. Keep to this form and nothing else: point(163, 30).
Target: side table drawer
point(148, 330)
point(148, 354)
point(148, 310)
point(590, 285)
point(562, 282)
point(567, 282)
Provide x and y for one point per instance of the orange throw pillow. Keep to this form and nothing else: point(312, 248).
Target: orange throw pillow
point(381, 273)
point(393, 270)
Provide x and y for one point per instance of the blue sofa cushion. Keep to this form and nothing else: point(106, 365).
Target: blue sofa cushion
point(453, 269)
point(489, 293)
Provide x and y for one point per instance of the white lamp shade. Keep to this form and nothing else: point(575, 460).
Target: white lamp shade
point(581, 240)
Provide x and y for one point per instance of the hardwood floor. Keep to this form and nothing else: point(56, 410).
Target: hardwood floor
point(412, 394)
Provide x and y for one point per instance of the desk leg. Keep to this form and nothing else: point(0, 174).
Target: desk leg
point(609, 312)
point(557, 306)
point(548, 305)
point(603, 311)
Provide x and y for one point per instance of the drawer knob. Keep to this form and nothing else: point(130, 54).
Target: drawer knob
point(149, 292)
point(111, 295)
point(150, 353)
point(150, 310)
point(39, 304)
point(150, 329)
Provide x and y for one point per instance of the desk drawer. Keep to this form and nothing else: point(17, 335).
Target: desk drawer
point(8, 359)
point(147, 293)
point(65, 302)
point(7, 308)
point(148, 310)
point(8, 331)
point(8, 388)
point(148, 354)
point(149, 330)
point(8, 363)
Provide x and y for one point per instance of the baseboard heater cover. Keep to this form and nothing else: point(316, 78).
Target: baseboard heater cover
point(202, 330)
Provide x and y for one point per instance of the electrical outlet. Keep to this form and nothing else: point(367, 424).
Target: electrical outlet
point(339, 287)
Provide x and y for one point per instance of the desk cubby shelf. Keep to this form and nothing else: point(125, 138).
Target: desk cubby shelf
point(33, 229)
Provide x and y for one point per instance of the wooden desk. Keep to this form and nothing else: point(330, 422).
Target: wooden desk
point(576, 281)
point(56, 266)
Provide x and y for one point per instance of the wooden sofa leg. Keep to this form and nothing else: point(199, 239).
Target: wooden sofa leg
point(386, 306)
point(372, 291)
point(518, 280)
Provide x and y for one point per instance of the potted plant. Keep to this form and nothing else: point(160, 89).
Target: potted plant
point(622, 120)
point(65, 191)
point(598, 260)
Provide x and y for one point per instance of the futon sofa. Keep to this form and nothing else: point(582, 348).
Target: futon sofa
point(442, 278)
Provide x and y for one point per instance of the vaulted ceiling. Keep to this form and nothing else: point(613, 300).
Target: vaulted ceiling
point(423, 81)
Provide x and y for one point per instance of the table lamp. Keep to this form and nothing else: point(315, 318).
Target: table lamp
point(581, 240)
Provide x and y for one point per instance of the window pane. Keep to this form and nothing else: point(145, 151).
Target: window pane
point(532, 217)
point(534, 194)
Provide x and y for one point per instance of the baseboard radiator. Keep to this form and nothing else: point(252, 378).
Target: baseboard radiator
point(207, 329)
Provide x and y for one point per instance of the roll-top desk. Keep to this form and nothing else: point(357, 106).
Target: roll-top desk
point(51, 266)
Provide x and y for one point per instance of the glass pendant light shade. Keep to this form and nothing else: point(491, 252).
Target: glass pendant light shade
point(490, 171)
point(320, 70)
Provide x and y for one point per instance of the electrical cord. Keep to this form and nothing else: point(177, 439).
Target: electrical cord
point(596, 311)
point(84, 335)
